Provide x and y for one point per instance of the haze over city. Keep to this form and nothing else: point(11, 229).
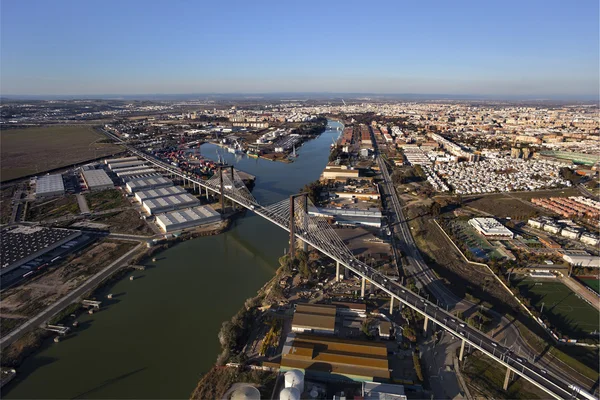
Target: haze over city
point(300, 200)
point(526, 49)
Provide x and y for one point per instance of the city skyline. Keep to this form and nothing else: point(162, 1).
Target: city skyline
point(531, 50)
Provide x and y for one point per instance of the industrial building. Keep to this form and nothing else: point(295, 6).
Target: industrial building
point(581, 258)
point(124, 164)
point(134, 168)
point(49, 186)
point(188, 218)
point(141, 176)
point(142, 171)
point(331, 358)
point(169, 203)
point(490, 228)
point(161, 192)
point(119, 160)
point(24, 243)
point(138, 185)
point(97, 179)
point(315, 318)
point(349, 216)
point(382, 391)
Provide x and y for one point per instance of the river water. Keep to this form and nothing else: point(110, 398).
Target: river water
point(159, 333)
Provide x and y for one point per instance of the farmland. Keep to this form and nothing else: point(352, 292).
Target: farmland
point(31, 150)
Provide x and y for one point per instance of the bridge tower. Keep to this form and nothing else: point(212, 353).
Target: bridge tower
point(303, 213)
point(222, 187)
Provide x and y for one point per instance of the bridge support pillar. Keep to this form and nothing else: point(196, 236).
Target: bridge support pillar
point(222, 189)
point(391, 305)
point(425, 325)
point(506, 379)
point(337, 271)
point(206, 193)
point(462, 350)
point(362, 287)
point(232, 188)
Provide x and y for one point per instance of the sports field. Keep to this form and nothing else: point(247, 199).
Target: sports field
point(591, 283)
point(564, 309)
point(30, 150)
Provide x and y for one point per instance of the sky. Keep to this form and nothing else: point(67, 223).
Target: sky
point(501, 48)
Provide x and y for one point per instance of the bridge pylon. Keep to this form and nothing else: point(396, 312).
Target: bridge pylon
point(303, 217)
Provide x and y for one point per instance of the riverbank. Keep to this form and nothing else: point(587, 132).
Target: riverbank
point(30, 342)
point(190, 289)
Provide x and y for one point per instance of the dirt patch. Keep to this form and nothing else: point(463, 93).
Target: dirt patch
point(106, 200)
point(127, 221)
point(40, 210)
point(30, 298)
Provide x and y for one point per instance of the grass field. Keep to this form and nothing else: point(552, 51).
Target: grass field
point(591, 283)
point(30, 150)
point(564, 309)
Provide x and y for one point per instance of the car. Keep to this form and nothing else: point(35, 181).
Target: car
point(462, 333)
point(494, 344)
point(462, 325)
point(543, 371)
point(403, 291)
point(453, 320)
point(519, 360)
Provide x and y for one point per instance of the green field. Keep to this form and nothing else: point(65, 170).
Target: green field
point(570, 314)
point(31, 150)
point(591, 283)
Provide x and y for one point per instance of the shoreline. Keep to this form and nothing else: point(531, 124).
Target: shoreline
point(32, 341)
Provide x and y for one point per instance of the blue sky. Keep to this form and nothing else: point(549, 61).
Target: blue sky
point(524, 48)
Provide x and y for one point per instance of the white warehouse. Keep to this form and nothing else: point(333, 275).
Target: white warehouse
point(169, 203)
point(49, 186)
point(188, 218)
point(97, 179)
point(147, 184)
point(161, 192)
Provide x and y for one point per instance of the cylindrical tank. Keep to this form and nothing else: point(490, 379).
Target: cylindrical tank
point(289, 393)
point(294, 378)
point(245, 392)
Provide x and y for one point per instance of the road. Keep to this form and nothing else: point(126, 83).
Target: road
point(425, 275)
point(71, 297)
point(319, 234)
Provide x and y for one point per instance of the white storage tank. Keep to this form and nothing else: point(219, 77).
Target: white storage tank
point(245, 392)
point(294, 378)
point(289, 393)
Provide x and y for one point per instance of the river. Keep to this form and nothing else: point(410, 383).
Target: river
point(159, 333)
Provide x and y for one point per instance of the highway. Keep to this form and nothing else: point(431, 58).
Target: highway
point(421, 272)
point(317, 233)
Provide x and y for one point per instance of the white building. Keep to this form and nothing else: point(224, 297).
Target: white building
point(97, 179)
point(581, 258)
point(589, 238)
point(188, 218)
point(147, 184)
point(490, 228)
point(161, 192)
point(49, 186)
point(169, 203)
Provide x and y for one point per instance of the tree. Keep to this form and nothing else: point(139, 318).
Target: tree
point(314, 190)
point(435, 209)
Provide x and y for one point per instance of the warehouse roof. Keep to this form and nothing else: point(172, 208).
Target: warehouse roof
point(170, 201)
point(49, 184)
point(96, 177)
point(187, 215)
point(337, 356)
point(160, 192)
point(149, 182)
